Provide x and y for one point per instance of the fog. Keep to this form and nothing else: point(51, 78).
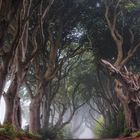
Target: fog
point(2, 110)
point(78, 124)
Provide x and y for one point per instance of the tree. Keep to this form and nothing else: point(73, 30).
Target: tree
point(114, 36)
point(52, 55)
point(19, 52)
point(8, 13)
point(13, 63)
point(111, 16)
point(131, 83)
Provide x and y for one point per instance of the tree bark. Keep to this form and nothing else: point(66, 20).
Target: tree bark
point(2, 81)
point(9, 98)
point(130, 105)
point(128, 82)
point(13, 109)
point(16, 120)
point(9, 109)
point(8, 10)
point(46, 113)
point(34, 125)
point(132, 112)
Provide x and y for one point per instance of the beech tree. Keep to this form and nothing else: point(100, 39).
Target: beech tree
point(11, 64)
point(40, 43)
point(8, 13)
point(53, 53)
point(47, 90)
point(131, 82)
point(17, 53)
point(114, 35)
point(112, 13)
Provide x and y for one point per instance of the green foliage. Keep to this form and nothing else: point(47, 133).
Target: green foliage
point(51, 133)
point(22, 133)
point(136, 134)
point(98, 126)
point(78, 76)
point(67, 132)
point(130, 6)
point(9, 131)
point(126, 132)
point(114, 129)
point(60, 135)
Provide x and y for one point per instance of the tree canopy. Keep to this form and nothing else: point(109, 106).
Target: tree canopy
point(51, 51)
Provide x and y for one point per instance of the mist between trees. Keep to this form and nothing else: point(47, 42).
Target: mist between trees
point(51, 51)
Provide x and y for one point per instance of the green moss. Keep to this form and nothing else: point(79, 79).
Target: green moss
point(9, 131)
point(22, 133)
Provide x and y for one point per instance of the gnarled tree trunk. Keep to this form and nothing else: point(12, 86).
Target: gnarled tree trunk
point(13, 110)
point(9, 98)
point(34, 125)
point(9, 109)
point(46, 108)
point(16, 121)
point(131, 99)
point(8, 11)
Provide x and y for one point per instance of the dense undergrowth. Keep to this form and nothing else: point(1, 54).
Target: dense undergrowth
point(115, 128)
point(11, 133)
point(110, 132)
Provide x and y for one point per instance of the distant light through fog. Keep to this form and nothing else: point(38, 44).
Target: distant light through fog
point(85, 133)
point(7, 85)
point(2, 109)
point(2, 102)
